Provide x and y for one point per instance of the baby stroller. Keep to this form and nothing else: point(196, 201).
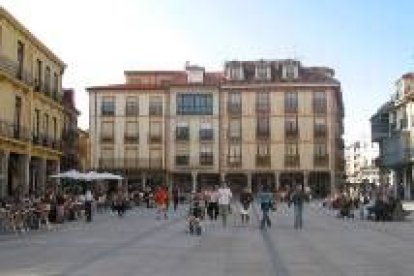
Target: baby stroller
point(194, 218)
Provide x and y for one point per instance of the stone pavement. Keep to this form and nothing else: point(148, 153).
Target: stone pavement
point(138, 244)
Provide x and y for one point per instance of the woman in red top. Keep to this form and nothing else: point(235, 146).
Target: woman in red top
point(161, 198)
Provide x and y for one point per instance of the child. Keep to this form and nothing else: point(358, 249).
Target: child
point(194, 218)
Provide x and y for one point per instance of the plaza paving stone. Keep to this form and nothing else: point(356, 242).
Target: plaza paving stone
point(138, 244)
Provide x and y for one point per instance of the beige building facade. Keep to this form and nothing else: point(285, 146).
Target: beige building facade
point(31, 113)
point(272, 122)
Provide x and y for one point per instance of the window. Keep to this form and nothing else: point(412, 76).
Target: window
point(292, 155)
point(291, 127)
point(262, 102)
point(234, 155)
point(155, 135)
point(234, 106)
point(55, 85)
point(235, 129)
point(131, 132)
point(182, 132)
point(320, 155)
point(206, 132)
point(108, 106)
point(131, 160)
point(46, 124)
point(291, 102)
point(319, 102)
point(155, 159)
point(206, 155)
point(235, 72)
point(319, 128)
point(131, 106)
point(262, 127)
point(107, 158)
point(54, 121)
point(262, 71)
point(320, 149)
point(38, 80)
point(17, 116)
point(37, 123)
point(290, 71)
point(155, 106)
point(20, 59)
point(263, 155)
point(47, 80)
point(182, 156)
point(194, 104)
point(107, 131)
point(1, 39)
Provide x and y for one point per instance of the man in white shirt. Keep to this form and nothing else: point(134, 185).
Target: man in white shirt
point(224, 198)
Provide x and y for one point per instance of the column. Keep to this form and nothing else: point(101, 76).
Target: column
point(277, 184)
point(306, 181)
point(144, 180)
point(406, 183)
point(4, 173)
point(24, 177)
point(194, 178)
point(42, 175)
point(222, 178)
point(249, 181)
point(333, 182)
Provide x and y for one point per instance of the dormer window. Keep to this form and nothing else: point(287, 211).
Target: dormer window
point(235, 72)
point(290, 71)
point(263, 71)
point(195, 74)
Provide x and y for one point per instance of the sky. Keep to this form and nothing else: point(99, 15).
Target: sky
point(369, 43)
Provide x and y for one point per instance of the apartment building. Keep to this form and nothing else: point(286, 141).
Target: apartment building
point(31, 113)
point(361, 163)
point(271, 122)
point(392, 128)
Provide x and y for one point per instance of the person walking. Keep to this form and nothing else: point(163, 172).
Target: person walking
point(88, 205)
point(246, 199)
point(213, 203)
point(266, 201)
point(160, 198)
point(298, 198)
point(176, 198)
point(224, 199)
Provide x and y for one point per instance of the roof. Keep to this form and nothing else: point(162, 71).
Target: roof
point(210, 79)
point(30, 36)
point(408, 76)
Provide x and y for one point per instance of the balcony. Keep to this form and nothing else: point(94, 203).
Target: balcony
point(154, 139)
point(234, 161)
point(263, 108)
point(206, 160)
point(263, 160)
point(321, 160)
point(155, 110)
point(234, 109)
point(11, 67)
point(14, 131)
point(130, 164)
point(206, 135)
point(319, 134)
point(47, 141)
point(397, 150)
point(292, 134)
point(182, 135)
point(263, 135)
point(131, 139)
point(182, 160)
point(107, 139)
point(292, 161)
